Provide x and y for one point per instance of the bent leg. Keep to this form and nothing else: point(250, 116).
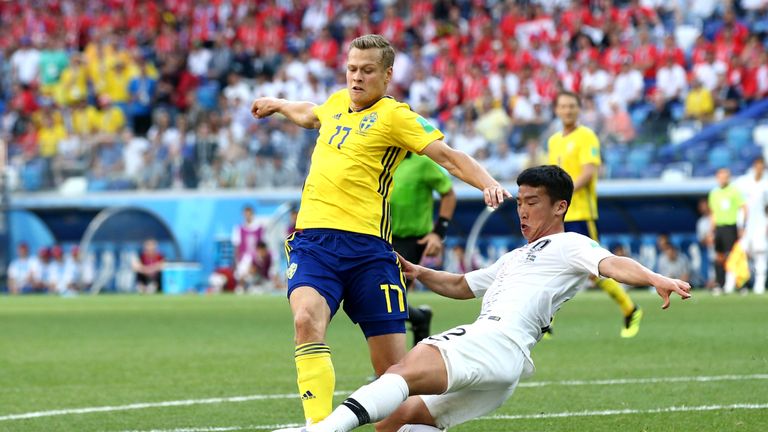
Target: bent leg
point(422, 371)
point(386, 350)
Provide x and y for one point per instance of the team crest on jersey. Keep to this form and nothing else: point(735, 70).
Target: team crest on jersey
point(368, 121)
point(337, 116)
point(291, 270)
point(538, 246)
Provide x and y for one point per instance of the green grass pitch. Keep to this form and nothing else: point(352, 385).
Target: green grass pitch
point(175, 364)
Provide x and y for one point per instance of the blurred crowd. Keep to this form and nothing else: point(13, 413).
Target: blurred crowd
point(133, 94)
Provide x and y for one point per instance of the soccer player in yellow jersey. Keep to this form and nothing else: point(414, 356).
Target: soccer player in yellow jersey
point(576, 149)
point(342, 249)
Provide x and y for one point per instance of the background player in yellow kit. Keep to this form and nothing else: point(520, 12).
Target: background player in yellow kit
point(576, 149)
point(342, 249)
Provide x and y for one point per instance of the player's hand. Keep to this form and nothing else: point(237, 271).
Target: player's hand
point(264, 107)
point(410, 270)
point(667, 286)
point(434, 244)
point(495, 195)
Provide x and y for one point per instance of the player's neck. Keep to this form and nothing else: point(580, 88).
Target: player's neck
point(569, 128)
point(554, 229)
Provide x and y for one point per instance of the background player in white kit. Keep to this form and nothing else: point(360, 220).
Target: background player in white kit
point(754, 186)
point(472, 369)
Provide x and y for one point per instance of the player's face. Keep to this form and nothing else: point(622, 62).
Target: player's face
point(367, 79)
point(567, 110)
point(539, 216)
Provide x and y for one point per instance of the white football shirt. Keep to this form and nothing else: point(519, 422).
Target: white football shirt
point(525, 287)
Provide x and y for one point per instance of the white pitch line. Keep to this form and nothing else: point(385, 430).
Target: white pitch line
point(567, 414)
point(672, 409)
point(145, 405)
point(644, 380)
point(221, 428)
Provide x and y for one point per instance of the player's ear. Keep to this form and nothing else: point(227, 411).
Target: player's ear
point(561, 206)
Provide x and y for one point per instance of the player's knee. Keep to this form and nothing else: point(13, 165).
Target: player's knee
point(309, 325)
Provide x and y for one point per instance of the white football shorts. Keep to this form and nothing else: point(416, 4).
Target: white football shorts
point(484, 367)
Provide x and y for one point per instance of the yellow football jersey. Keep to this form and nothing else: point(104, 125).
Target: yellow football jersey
point(350, 179)
point(571, 153)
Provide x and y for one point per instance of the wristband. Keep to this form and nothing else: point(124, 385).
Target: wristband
point(441, 227)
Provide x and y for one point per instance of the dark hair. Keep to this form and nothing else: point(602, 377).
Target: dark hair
point(374, 41)
point(568, 94)
point(555, 180)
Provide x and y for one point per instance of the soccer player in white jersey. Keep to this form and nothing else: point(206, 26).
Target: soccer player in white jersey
point(470, 370)
point(754, 186)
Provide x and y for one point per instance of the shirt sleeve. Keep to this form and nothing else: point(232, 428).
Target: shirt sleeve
point(412, 131)
point(322, 109)
point(590, 149)
point(480, 280)
point(584, 254)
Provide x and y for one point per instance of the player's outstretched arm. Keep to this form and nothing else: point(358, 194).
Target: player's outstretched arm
point(446, 284)
point(629, 271)
point(300, 113)
point(464, 167)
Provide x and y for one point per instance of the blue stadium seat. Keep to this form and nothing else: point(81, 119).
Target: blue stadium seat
point(738, 137)
point(720, 157)
point(750, 152)
point(703, 170)
point(638, 160)
point(32, 175)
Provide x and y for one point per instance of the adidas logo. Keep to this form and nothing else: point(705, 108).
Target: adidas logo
point(307, 395)
point(337, 116)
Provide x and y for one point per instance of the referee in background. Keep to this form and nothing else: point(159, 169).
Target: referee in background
point(414, 234)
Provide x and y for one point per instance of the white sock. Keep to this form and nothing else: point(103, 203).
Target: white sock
point(730, 283)
point(369, 404)
point(760, 271)
point(418, 428)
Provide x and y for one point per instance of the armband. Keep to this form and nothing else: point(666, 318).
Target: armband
point(441, 227)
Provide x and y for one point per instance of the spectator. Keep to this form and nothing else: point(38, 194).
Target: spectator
point(699, 104)
point(24, 271)
point(628, 85)
point(706, 242)
point(618, 125)
point(467, 139)
point(658, 120)
point(141, 89)
point(25, 62)
point(260, 277)
point(708, 71)
point(673, 264)
point(47, 271)
point(149, 268)
point(56, 282)
point(79, 271)
point(246, 238)
point(671, 80)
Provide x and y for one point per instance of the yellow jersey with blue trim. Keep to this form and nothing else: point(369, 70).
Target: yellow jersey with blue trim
point(350, 178)
point(571, 152)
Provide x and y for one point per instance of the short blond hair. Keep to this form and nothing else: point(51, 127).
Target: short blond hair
point(374, 41)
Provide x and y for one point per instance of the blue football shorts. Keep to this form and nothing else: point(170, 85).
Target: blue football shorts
point(360, 269)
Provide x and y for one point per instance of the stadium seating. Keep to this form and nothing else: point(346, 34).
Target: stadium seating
point(203, 62)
